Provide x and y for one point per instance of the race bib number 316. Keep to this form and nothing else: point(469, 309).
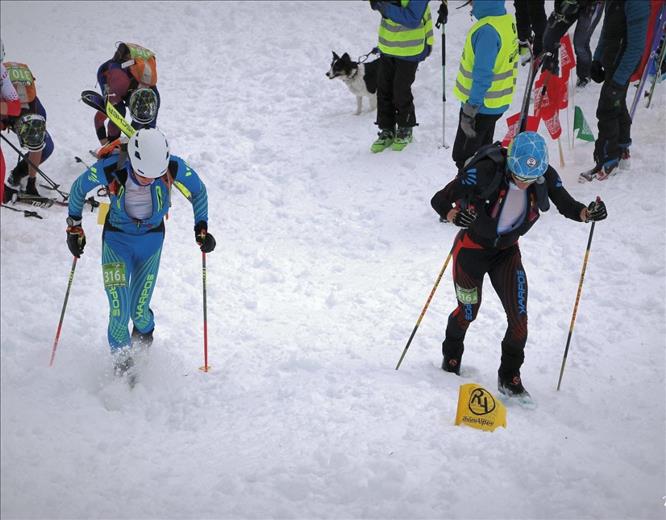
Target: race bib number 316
point(114, 275)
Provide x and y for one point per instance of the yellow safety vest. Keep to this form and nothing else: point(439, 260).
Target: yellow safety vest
point(505, 70)
point(398, 40)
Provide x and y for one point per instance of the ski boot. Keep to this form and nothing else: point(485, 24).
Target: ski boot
point(609, 169)
point(385, 139)
point(451, 364)
point(142, 339)
point(581, 83)
point(625, 158)
point(512, 387)
point(122, 361)
point(13, 182)
point(402, 139)
point(589, 175)
point(31, 187)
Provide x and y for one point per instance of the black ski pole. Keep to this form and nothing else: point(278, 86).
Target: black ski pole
point(37, 169)
point(442, 18)
point(26, 212)
point(425, 308)
point(62, 312)
point(575, 310)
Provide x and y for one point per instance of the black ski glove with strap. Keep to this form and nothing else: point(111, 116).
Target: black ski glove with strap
point(464, 218)
point(596, 211)
point(205, 240)
point(76, 238)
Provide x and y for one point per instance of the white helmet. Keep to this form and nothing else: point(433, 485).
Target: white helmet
point(148, 152)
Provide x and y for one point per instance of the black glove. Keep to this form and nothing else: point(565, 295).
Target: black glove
point(596, 210)
point(468, 120)
point(374, 5)
point(597, 72)
point(76, 238)
point(465, 218)
point(205, 240)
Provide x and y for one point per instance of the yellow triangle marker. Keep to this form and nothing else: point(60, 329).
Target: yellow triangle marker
point(478, 408)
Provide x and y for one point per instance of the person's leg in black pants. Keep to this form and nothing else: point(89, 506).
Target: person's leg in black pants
point(385, 81)
point(537, 15)
point(465, 147)
point(587, 22)
point(403, 100)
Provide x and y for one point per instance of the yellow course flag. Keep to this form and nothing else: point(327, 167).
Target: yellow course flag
point(478, 408)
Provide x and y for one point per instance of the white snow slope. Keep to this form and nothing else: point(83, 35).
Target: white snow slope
point(326, 254)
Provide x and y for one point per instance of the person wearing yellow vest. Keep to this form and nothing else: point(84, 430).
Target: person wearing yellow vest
point(405, 39)
point(487, 77)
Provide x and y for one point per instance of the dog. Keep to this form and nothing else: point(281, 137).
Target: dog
point(360, 78)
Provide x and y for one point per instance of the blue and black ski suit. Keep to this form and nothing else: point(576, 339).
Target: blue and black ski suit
point(490, 246)
point(131, 247)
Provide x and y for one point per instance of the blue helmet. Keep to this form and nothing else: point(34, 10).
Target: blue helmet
point(527, 157)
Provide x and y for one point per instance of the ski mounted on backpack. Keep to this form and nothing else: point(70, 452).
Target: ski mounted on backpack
point(535, 63)
point(96, 100)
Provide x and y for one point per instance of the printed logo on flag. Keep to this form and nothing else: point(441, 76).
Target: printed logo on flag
point(478, 408)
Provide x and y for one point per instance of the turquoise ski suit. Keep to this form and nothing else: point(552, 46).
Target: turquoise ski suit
point(131, 248)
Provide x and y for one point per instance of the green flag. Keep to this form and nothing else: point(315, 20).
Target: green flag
point(581, 125)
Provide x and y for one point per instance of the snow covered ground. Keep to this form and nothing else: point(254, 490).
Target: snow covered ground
point(326, 254)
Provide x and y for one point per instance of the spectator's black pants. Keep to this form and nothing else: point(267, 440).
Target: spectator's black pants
point(395, 103)
point(587, 21)
point(464, 147)
point(614, 125)
point(471, 262)
point(531, 18)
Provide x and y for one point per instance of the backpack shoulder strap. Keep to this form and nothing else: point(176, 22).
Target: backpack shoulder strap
point(495, 153)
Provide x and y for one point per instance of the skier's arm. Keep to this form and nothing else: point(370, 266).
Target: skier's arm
point(467, 185)
point(409, 16)
point(188, 182)
point(486, 43)
point(565, 203)
point(637, 13)
point(87, 181)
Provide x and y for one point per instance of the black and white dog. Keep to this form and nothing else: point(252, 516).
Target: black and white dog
point(361, 78)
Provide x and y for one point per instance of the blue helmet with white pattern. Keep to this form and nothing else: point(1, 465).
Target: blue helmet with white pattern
point(527, 156)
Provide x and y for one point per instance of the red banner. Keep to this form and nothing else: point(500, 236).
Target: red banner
point(567, 58)
point(550, 95)
point(553, 126)
point(512, 123)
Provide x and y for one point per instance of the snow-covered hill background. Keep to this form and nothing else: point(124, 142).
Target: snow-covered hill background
point(326, 254)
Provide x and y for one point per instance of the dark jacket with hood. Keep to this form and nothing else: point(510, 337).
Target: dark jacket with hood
point(622, 39)
point(483, 185)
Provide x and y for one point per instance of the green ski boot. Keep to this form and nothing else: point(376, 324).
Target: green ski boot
point(384, 140)
point(403, 138)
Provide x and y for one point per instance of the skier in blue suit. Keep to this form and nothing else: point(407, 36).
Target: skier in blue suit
point(139, 193)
